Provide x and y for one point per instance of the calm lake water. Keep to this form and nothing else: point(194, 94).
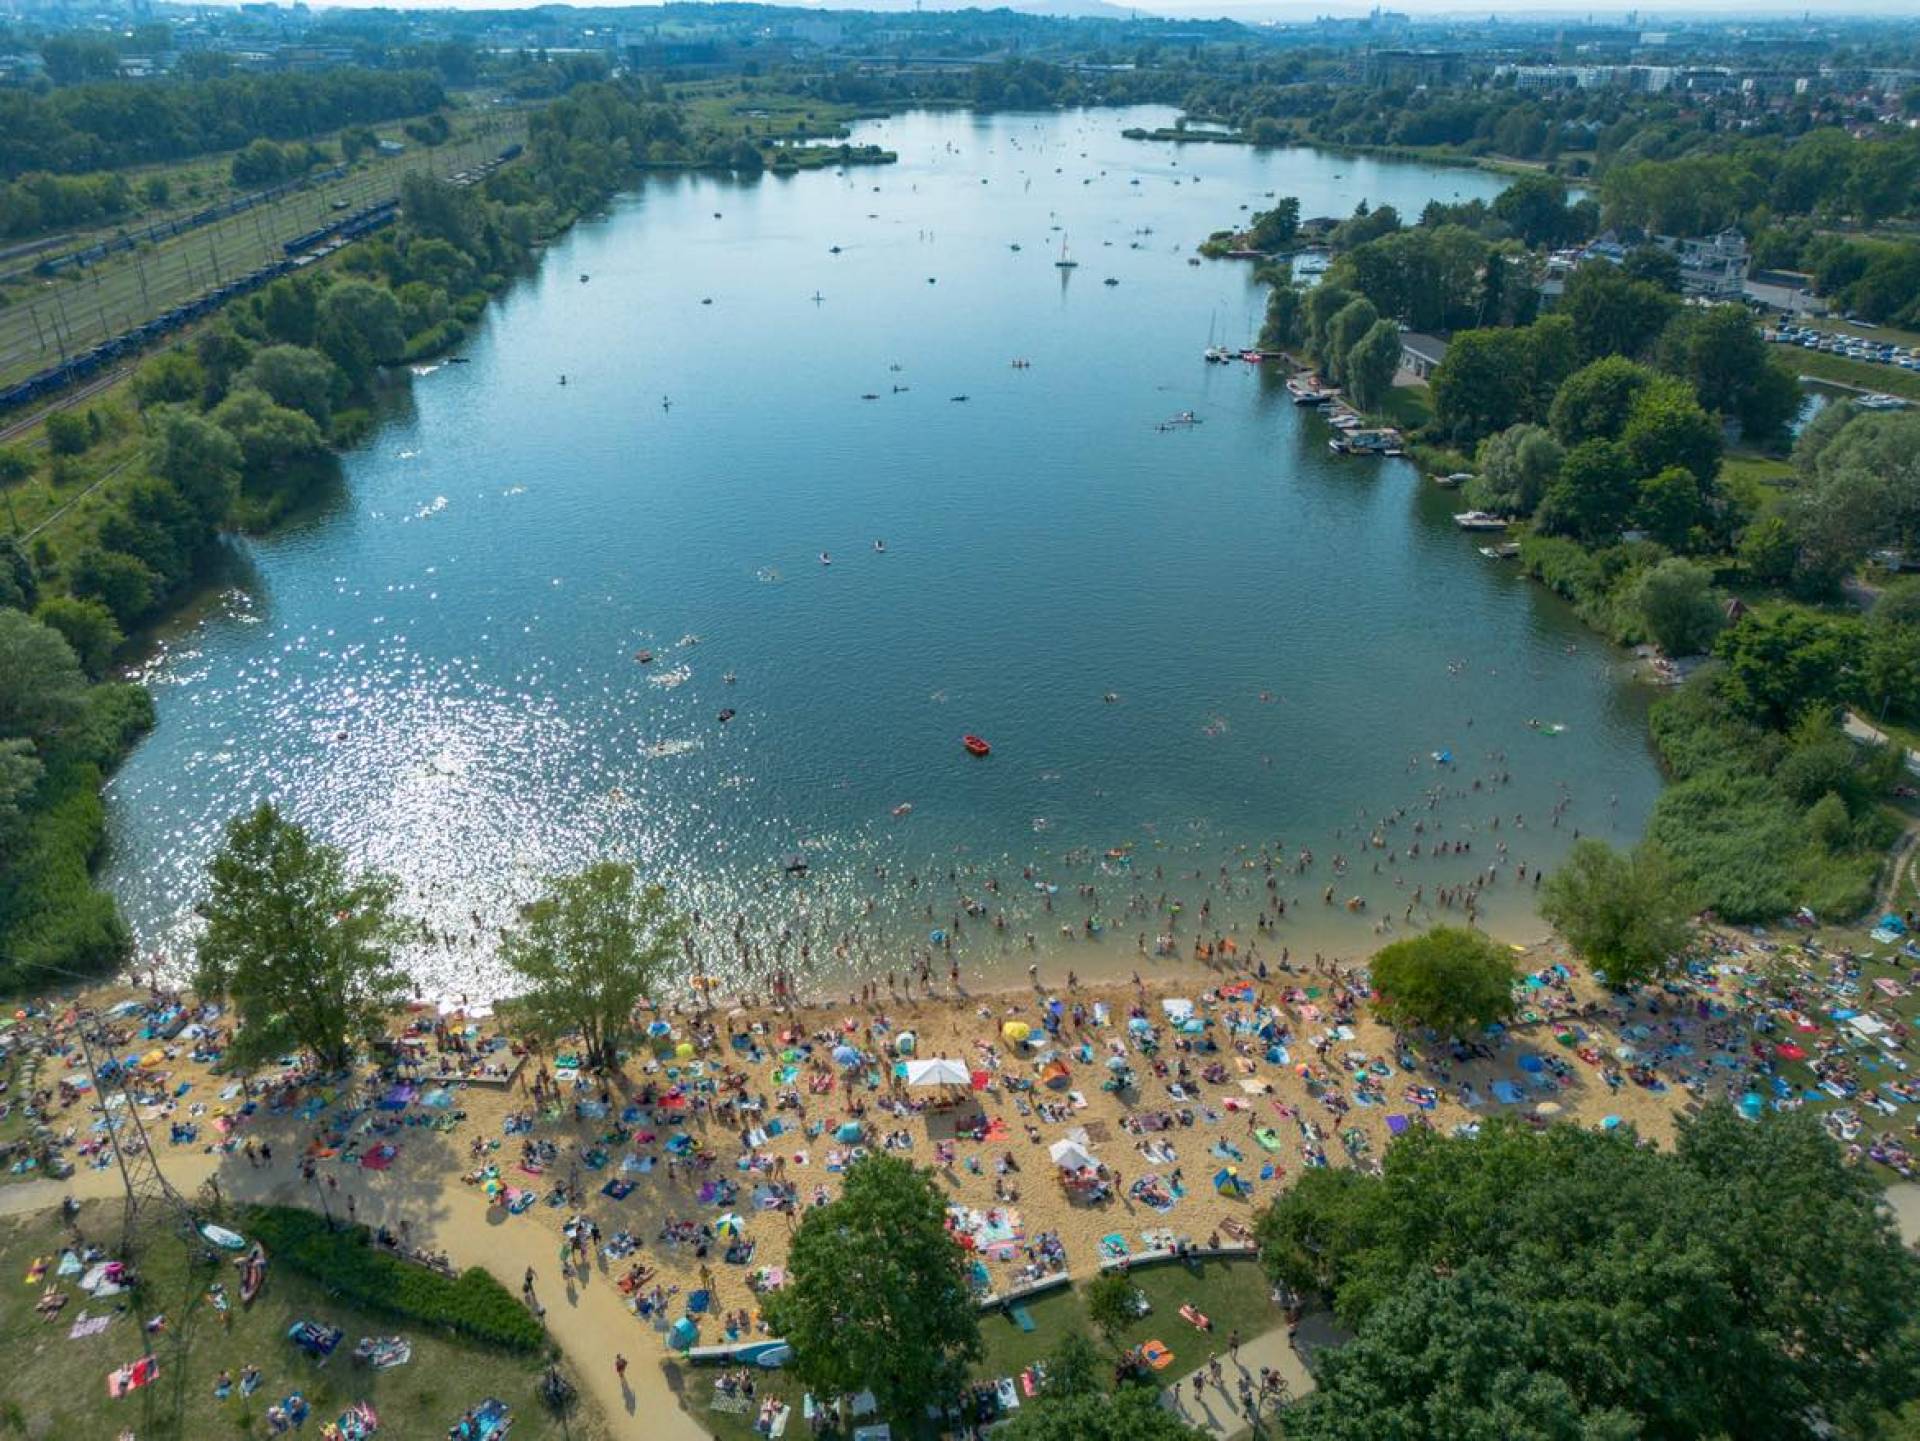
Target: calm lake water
point(438, 672)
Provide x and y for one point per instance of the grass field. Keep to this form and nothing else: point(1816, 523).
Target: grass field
point(1862, 374)
point(1234, 1295)
point(45, 319)
point(56, 1388)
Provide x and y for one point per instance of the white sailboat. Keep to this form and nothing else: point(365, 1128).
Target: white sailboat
point(1064, 263)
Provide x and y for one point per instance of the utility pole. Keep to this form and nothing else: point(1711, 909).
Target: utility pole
point(149, 1192)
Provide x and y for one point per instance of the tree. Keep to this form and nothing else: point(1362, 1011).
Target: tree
point(1595, 401)
point(201, 461)
point(1781, 659)
point(877, 1297)
point(589, 951)
point(1890, 668)
point(1274, 229)
point(302, 948)
point(19, 586)
point(20, 771)
point(1572, 1283)
point(1110, 1304)
point(1593, 495)
point(171, 378)
point(1449, 980)
point(1656, 266)
point(1355, 319)
point(1286, 320)
point(1671, 505)
point(1666, 426)
point(1676, 604)
point(1133, 1413)
point(88, 627)
point(1768, 550)
point(1481, 385)
point(1535, 208)
point(359, 328)
point(67, 433)
point(41, 687)
point(123, 583)
point(1628, 912)
point(1515, 468)
point(295, 377)
point(1614, 314)
point(1718, 352)
point(1372, 363)
point(271, 437)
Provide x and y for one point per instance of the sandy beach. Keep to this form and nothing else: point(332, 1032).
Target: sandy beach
point(1237, 1083)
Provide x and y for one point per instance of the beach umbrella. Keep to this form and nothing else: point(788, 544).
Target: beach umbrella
point(684, 1050)
point(1056, 1076)
point(1016, 1031)
point(1625, 1053)
point(1140, 1025)
point(904, 1043)
point(1227, 1180)
point(729, 1225)
point(1609, 1123)
point(846, 1056)
point(1116, 1063)
point(848, 1131)
point(657, 1029)
point(1532, 1064)
point(937, 937)
point(1751, 1105)
point(1548, 1108)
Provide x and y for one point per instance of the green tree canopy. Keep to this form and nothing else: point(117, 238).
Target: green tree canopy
point(301, 947)
point(1677, 605)
point(1515, 468)
point(1354, 320)
point(1596, 399)
point(1628, 912)
point(588, 952)
point(295, 377)
point(200, 461)
point(1782, 659)
point(1614, 314)
point(1666, 426)
point(42, 689)
point(1372, 363)
point(1574, 1283)
point(1449, 980)
point(88, 627)
point(359, 328)
point(271, 437)
point(1593, 495)
point(877, 1296)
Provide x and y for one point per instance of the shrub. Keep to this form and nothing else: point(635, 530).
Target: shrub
point(67, 433)
point(471, 1304)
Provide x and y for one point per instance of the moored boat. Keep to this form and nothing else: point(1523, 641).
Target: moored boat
point(1479, 520)
point(976, 746)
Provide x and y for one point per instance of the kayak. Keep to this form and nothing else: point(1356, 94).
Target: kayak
point(976, 746)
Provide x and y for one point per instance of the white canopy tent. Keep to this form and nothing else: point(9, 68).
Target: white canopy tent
point(1070, 1153)
point(938, 1071)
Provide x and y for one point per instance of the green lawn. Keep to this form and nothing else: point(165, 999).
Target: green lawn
point(1234, 1295)
point(57, 1388)
point(1407, 407)
point(1822, 366)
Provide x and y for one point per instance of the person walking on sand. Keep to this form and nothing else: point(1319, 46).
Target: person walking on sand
point(620, 1369)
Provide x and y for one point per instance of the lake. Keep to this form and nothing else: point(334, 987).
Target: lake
point(438, 671)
